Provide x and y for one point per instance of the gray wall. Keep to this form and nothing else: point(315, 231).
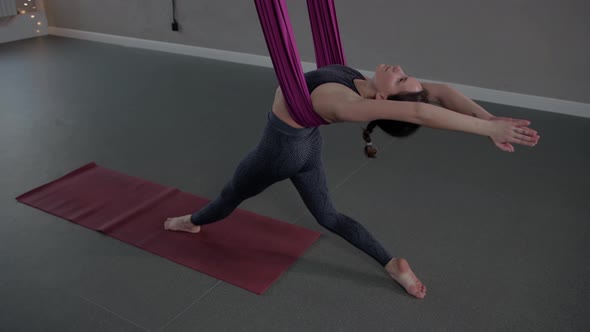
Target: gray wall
point(535, 47)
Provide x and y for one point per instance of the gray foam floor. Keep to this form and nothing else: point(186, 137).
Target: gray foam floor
point(500, 239)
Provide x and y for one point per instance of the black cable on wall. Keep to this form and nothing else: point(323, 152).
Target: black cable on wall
point(174, 22)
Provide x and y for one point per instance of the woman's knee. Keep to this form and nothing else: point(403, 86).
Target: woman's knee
point(328, 218)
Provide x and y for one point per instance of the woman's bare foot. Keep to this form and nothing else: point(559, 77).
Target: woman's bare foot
point(182, 224)
point(399, 270)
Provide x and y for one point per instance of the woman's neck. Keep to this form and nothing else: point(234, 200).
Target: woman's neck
point(366, 88)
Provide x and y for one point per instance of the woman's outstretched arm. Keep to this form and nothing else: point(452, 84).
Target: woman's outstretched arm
point(452, 99)
point(429, 115)
point(500, 130)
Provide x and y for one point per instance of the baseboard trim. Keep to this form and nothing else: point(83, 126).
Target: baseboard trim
point(488, 95)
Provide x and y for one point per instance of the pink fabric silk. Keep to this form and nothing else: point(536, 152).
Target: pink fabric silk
point(280, 40)
point(326, 36)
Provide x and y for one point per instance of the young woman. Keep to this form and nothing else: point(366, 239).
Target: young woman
point(395, 102)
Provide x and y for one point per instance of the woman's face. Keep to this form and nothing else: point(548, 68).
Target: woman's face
point(391, 80)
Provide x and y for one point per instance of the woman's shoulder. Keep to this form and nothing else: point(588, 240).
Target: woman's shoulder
point(330, 89)
point(329, 97)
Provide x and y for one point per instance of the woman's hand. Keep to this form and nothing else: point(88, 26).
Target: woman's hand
point(506, 131)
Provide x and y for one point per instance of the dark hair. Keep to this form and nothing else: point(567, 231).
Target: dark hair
point(393, 127)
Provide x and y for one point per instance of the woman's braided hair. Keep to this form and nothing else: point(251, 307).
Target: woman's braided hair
point(393, 127)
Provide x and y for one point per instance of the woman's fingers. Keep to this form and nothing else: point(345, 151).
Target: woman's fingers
point(507, 147)
point(525, 131)
point(526, 138)
point(520, 122)
point(525, 134)
point(523, 140)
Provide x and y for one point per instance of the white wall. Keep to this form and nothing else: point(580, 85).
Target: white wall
point(530, 47)
point(24, 26)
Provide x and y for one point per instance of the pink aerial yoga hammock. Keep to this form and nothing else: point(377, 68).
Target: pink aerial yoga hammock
point(278, 33)
point(326, 36)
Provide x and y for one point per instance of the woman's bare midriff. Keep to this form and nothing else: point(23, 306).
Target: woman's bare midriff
point(279, 106)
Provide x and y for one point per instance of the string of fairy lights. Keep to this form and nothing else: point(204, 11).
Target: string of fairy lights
point(29, 7)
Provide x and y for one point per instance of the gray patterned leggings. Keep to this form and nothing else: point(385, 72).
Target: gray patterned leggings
point(284, 153)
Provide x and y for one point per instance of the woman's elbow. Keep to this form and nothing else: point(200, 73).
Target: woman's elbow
point(420, 114)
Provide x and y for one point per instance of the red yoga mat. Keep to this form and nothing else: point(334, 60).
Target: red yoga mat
point(246, 249)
